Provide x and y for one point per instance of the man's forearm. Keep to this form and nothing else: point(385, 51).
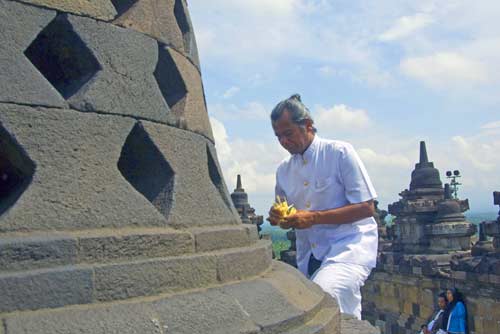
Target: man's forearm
point(344, 215)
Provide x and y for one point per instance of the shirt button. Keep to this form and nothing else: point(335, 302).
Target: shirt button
point(313, 245)
point(306, 184)
point(308, 205)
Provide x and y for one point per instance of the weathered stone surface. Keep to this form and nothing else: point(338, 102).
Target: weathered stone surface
point(224, 309)
point(20, 81)
point(152, 277)
point(45, 288)
point(268, 308)
point(252, 232)
point(351, 325)
point(299, 291)
point(195, 190)
point(155, 18)
point(211, 312)
point(109, 245)
point(124, 318)
point(18, 253)
point(208, 239)
point(180, 83)
point(125, 85)
point(77, 183)
point(244, 262)
point(99, 9)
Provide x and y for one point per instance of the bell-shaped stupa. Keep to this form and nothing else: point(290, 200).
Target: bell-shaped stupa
point(114, 216)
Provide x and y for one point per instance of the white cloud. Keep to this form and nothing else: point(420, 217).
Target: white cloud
point(255, 160)
point(251, 111)
point(445, 69)
point(405, 26)
point(371, 157)
point(340, 117)
point(491, 125)
point(231, 92)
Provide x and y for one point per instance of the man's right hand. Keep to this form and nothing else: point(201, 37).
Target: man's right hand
point(274, 216)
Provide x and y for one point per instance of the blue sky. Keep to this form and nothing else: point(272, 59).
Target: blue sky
point(382, 75)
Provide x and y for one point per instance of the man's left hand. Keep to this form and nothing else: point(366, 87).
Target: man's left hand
point(300, 220)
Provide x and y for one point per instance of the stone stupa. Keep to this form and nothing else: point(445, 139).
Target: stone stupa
point(114, 216)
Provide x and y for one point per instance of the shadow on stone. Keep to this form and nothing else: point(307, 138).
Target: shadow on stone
point(216, 178)
point(16, 171)
point(122, 6)
point(62, 57)
point(169, 79)
point(183, 23)
point(146, 169)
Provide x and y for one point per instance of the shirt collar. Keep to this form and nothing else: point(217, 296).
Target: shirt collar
point(309, 152)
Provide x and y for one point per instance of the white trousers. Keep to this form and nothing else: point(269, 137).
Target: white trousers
point(343, 281)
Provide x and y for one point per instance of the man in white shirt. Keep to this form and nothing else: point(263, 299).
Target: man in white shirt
point(327, 183)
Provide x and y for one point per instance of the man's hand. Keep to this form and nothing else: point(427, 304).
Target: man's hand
point(300, 220)
point(274, 216)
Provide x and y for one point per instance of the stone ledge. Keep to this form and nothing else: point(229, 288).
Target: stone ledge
point(229, 308)
point(35, 250)
point(84, 284)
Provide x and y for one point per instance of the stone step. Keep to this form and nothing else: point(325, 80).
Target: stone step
point(258, 305)
point(25, 251)
point(325, 321)
point(87, 283)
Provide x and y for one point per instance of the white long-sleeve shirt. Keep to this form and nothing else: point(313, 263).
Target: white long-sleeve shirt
point(329, 175)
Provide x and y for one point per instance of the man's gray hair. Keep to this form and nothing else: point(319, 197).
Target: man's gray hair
point(299, 113)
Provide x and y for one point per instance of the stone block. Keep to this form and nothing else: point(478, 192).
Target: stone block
point(213, 311)
point(490, 326)
point(244, 262)
point(351, 325)
point(459, 275)
point(215, 238)
point(199, 187)
point(253, 234)
point(494, 279)
point(166, 20)
point(109, 245)
point(77, 184)
point(268, 308)
point(118, 318)
point(99, 9)
point(146, 278)
point(20, 81)
point(125, 85)
point(180, 84)
point(299, 291)
point(46, 288)
point(36, 251)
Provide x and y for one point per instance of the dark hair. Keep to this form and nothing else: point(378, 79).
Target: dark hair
point(299, 113)
point(443, 295)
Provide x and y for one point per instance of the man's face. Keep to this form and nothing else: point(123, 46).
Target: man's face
point(441, 303)
point(292, 137)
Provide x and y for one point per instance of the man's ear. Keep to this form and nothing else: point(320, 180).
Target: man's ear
point(309, 125)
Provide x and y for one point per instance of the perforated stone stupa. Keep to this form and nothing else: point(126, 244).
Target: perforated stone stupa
point(114, 216)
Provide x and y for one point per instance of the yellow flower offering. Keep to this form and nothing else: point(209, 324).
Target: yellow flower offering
point(284, 209)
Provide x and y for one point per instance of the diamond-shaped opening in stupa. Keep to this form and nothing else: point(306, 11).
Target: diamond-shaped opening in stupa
point(183, 23)
point(147, 170)
point(16, 171)
point(122, 6)
point(62, 57)
point(169, 79)
point(216, 178)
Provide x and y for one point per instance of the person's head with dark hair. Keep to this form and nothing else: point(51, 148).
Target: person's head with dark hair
point(454, 296)
point(293, 124)
point(442, 301)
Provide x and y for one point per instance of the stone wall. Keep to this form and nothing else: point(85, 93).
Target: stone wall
point(400, 301)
